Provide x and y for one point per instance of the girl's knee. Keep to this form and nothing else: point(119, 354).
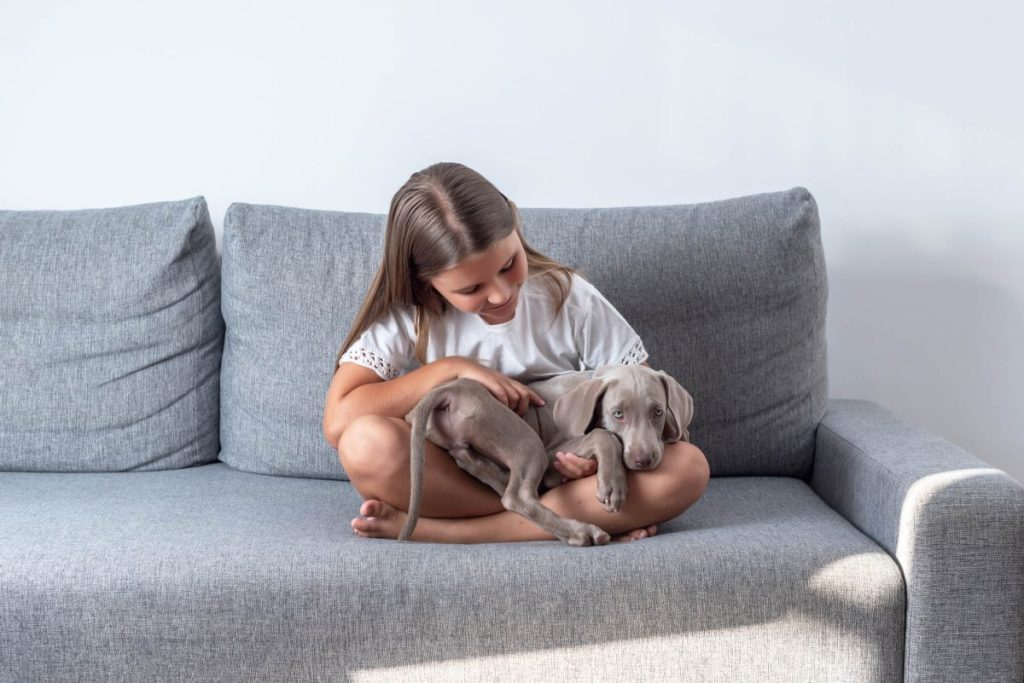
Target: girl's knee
point(689, 470)
point(371, 444)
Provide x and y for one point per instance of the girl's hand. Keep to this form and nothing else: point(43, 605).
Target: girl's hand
point(510, 392)
point(572, 466)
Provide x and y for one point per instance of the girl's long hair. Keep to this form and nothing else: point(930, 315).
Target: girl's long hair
point(440, 216)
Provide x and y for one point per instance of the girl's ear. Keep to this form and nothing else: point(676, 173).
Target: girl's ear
point(574, 410)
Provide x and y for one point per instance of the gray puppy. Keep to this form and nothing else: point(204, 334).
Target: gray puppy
point(644, 408)
point(621, 415)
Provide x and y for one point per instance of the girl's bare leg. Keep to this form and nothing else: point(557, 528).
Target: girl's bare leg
point(458, 508)
point(374, 451)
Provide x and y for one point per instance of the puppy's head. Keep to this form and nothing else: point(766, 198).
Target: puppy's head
point(645, 408)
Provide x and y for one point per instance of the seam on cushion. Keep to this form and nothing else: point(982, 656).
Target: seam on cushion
point(877, 461)
point(820, 277)
point(809, 206)
point(195, 357)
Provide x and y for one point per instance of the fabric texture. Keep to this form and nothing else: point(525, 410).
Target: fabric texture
point(896, 556)
point(953, 523)
point(536, 343)
point(208, 573)
point(110, 338)
point(289, 278)
point(728, 298)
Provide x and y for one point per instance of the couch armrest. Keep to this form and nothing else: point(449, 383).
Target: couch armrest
point(954, 524)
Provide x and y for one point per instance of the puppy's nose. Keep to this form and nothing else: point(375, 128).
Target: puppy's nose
point(643, 462)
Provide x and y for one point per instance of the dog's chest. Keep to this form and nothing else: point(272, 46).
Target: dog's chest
point(541, 419)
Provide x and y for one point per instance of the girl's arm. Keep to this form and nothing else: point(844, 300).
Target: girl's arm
point(356, 391)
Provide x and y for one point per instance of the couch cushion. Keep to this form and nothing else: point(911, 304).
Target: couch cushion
point(728, 296)
point(292, 278)
point(110, 338)
point(214, 574)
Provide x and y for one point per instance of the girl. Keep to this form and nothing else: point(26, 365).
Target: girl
point(459, 293)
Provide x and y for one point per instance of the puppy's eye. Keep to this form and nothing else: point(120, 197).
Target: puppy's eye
point(617, 414)
point(658, 412)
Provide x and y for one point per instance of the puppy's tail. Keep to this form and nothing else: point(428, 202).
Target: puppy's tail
point(418, 418)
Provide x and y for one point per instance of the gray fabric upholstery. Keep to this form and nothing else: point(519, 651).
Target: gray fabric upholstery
point(874, 535)
point(728, 296)
point(954, 524)
point(110, 338)
point(208, 573)
point(291, 280)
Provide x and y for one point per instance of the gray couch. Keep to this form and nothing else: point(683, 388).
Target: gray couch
point(172, 511)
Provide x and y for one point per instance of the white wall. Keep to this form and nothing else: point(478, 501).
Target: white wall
point(904, 120)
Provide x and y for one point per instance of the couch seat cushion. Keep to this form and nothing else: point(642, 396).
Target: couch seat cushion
point(212, 573)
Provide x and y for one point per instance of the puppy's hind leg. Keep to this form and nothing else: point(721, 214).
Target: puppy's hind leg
point(481, 467)
point(521, 497)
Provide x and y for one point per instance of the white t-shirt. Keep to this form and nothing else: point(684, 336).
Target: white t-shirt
point(535, 344)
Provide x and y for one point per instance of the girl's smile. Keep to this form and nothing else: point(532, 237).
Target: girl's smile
point(487, 283)
point(503, 313)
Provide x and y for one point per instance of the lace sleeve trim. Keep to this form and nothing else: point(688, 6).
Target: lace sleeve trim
point(636, 355)
point(369, 358)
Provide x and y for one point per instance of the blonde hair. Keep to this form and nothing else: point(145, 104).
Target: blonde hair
point(439, 217)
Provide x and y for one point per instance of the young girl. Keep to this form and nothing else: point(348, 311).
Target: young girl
point(459, 293)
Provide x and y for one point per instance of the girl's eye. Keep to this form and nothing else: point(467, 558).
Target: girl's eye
point(504, 270)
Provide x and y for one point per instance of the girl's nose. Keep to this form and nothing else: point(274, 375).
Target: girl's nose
point(499, 295)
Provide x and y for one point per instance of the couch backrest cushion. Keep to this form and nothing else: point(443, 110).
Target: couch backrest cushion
point(728, 296)
point(110, 338)
point(293, 279)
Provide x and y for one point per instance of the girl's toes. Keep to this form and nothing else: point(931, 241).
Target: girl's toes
point(369, 527)
point(636, 534)
point(370, 508)
point(378, 520)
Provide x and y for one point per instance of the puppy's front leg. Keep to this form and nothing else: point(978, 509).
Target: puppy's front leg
point(606, 448)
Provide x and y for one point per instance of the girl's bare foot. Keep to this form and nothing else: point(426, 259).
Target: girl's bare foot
point(378, 520)
point(636, 534)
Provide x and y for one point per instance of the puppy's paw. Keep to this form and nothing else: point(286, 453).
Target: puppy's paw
point(600, 536)
point(611, 492)
point(588, 534)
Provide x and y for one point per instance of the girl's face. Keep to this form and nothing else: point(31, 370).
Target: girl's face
point(488, 283)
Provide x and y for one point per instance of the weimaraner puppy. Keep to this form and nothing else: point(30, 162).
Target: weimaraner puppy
point(644, 408)
point(640, 410)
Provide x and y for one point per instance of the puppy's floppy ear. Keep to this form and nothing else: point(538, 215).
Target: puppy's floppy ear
point(680, 409)
point(574, 410)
